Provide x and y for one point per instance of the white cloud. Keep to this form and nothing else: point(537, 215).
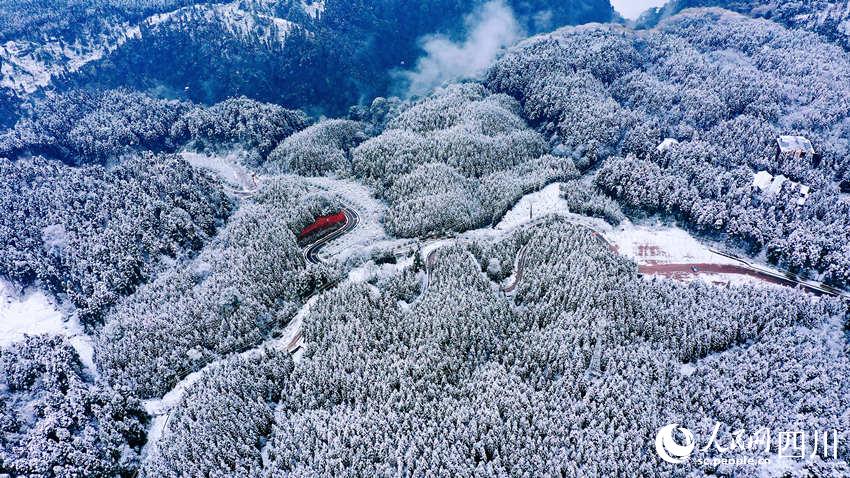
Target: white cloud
point(632, 9)
point(490, 29)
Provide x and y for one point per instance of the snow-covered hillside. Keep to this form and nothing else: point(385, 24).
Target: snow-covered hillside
point(27, 65)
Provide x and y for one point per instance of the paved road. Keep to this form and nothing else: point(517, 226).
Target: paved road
point(311, 251)
point(673, 270)
point(520, 267)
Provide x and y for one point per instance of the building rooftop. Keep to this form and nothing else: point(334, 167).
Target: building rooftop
point(762, 180)
point(667, 144)
point(795, 144)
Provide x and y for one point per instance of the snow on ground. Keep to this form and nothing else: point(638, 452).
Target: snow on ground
point(33, 312)
point(313, 8)
point(661, 244)
point(730, 279)
point(370, 270)
point(535, 205)
point(655, 243)
point(226, 166)
point(646, 243)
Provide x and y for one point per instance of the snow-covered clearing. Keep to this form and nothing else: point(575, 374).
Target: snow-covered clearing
point(226, 166)
point(655, 243)
point(648, 243)
point(545, 202)
point(370, 270)
point(661, 244)
point(32, 312)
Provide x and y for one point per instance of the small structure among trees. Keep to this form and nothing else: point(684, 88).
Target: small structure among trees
point(796, 147)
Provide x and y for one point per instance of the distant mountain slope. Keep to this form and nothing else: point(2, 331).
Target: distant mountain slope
point(828, 18)
point(36, 20)
point(40, 39)
point(327, 54)
point(36, 49)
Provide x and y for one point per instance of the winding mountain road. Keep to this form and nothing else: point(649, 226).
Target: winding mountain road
point(291, 340)
point(518, 270)
point(312, 250)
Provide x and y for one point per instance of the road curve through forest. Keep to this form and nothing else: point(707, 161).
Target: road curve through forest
point(312, 250)
point(290, 340)
point(518, 270)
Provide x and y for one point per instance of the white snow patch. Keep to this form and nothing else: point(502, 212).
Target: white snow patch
point(82, 343)
point(33, 312)
point(532, 206)
point(363, 273)
point(227, 166)
point(30, 312)
point(660, 244)
point(687, 370)
point(313, 8)
point(667, 144)
point(762, 180)
point(730, 280)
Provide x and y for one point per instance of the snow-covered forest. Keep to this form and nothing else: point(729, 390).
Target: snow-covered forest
point(263, 253)
point(93, 233)
point(827, 18)
point(471, 382)
point(725, 87)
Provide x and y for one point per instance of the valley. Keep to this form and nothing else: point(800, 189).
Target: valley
point(274, 238)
